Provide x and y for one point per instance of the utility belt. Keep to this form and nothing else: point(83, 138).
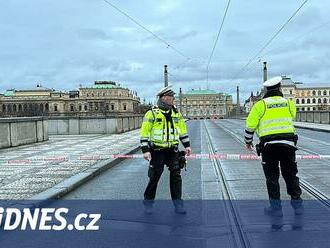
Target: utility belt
point(180, 160)
point(261, 146)
point(155, 147)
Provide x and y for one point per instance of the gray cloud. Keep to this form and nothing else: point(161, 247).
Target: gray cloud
point(93, 34)
point(68, 44)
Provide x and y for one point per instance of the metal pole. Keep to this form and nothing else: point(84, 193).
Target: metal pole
point(265, 71)
point(225, 98)
point(180, 99)
point(165, 76)
point(238, 105)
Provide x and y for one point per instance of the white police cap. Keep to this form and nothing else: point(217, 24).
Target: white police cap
point(273, 82)
point(166, 91)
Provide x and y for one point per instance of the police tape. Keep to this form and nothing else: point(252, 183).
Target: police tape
point(96, 157)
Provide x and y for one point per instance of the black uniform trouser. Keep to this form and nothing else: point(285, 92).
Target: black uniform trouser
point(158, 159)
point(272, 155)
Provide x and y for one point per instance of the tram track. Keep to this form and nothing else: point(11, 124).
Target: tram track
point(310, 189)
point(240, 238)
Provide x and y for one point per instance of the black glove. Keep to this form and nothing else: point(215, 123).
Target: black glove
point(182, 160)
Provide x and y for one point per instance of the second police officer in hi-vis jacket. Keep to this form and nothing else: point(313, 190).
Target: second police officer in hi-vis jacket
point(271, 119)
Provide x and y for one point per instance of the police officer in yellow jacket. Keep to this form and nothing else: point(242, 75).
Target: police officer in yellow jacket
point(272, 120)
point(162, 129)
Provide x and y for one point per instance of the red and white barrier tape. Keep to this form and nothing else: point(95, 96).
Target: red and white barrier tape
point(220, 156)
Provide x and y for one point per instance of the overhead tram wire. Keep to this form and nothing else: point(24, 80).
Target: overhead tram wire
point(147, 30)
point(269, 41)
point(216, 41)
point(312, 30)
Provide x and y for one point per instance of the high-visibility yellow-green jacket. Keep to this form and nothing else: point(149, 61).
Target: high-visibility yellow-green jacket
point(161, 131)
point(272, 120)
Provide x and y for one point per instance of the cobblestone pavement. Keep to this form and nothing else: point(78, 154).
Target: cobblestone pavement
point(30, 169)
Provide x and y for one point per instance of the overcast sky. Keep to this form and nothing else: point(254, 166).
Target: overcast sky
point(63, 44)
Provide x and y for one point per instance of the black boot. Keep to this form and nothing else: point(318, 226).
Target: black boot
point(148, 206)
point(297, 205)
point(275, 209)
point(178, 207)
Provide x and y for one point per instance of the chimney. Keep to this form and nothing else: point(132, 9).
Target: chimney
point(165, 76)
point(265, 71)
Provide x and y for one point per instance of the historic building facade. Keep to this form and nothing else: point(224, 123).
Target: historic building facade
point(306, 98)
point(205, 104)
point(102, 99)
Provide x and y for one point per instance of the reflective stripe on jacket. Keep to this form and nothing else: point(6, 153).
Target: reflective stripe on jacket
point(163, 133)
point(270, 116)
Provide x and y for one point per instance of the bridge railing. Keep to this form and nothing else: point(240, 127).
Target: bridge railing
point(322, 117)
point(17, 131)
point(93, 124)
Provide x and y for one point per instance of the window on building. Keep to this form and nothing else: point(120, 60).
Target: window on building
point(319, 93)
point(319, 100)
point(290, 92)
point(55, 108)
point(297, 101)
point(314, 93)
point(87, 95)
point(85, 107)
point(96, 106)
point(302, 101)
point(314, 100)
point(308, 109)
point(314, 108)
point(71, 107)
point(80, 108)
point(19, 107)
point(14, 108)
point(308, 100)
point(112, 107)
point(92, 94)
point(124, 106)
point(98, 93)
point(324, 92)
point(325, 100)
point(3, 108)
point(107, 106)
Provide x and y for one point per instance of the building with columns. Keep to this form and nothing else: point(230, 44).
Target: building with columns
point(306, 98)
point(204, 104)
point(101, 99)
